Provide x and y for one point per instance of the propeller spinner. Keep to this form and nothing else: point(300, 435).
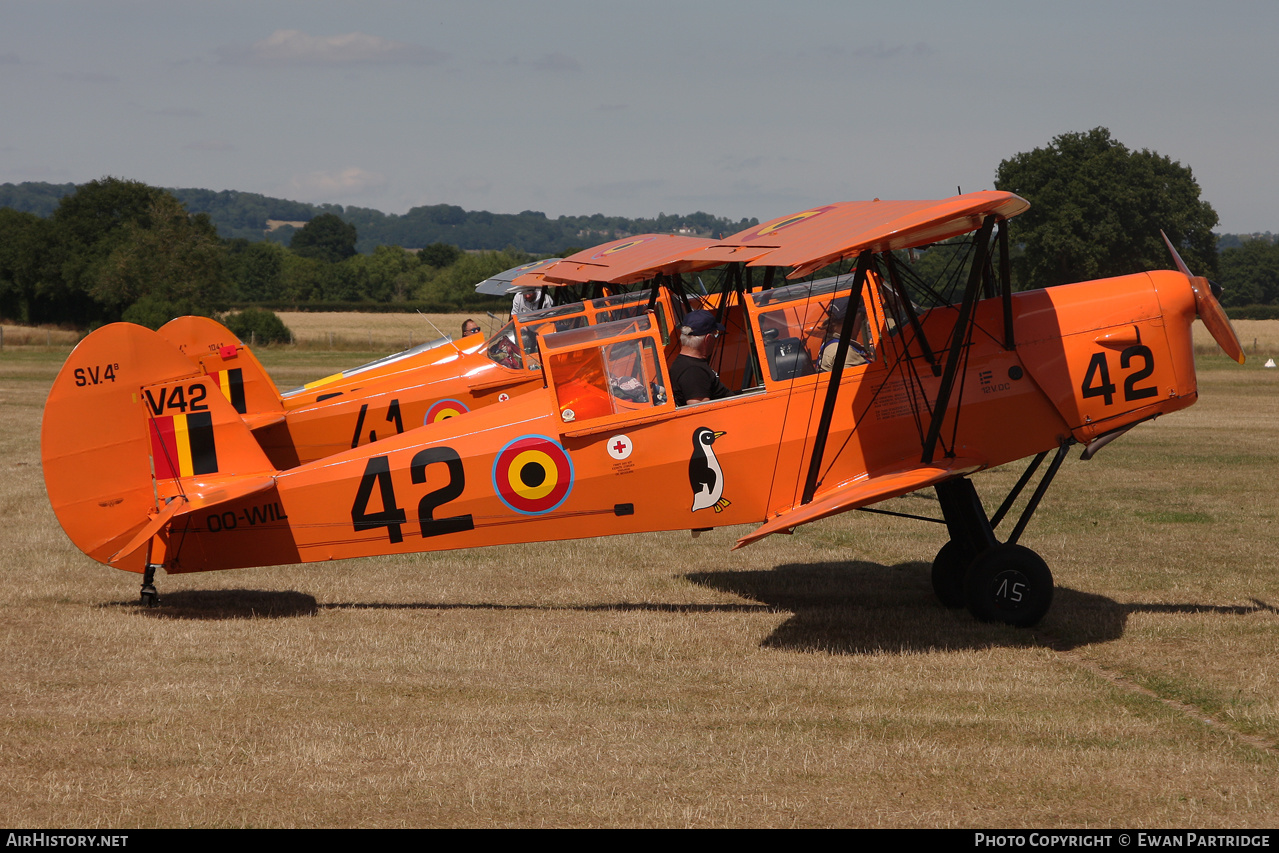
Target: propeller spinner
point(1208, 308)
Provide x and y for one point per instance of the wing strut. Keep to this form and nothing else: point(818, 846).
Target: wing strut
point(958, 336)
point(908, 308)
point(1006, 286)
point(837, 371)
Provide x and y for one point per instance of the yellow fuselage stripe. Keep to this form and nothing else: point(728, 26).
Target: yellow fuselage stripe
point(183, 441)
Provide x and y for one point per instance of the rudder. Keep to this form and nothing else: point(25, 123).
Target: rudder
point(231, 364)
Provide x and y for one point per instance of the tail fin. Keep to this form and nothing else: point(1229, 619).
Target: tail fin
point(231, 364)
point(131, 426)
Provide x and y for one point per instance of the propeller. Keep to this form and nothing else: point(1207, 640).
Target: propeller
point(1208, 308)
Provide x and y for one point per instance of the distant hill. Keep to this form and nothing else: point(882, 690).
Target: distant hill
point(244, 215)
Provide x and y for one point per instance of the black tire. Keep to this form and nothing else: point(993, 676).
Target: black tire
point(1009, 584)
point(950, 566)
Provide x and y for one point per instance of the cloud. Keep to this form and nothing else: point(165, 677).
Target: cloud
point(344, 182)
point(87, 77)
point(610, 108)
point(878, 50)
point(556, 62)
point(209, 145)
point(294, 47)
point(741, 164)
point(175, 112)
point(619, 189)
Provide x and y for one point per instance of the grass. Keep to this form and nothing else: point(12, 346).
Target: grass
point(658, 680)
point(377, 333)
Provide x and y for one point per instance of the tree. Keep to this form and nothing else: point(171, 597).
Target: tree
point(325, 238)
point(22, 243)
point(457, 282)
point(439, 255)
point(1250, 274)
point(167, 255)
point(259, 326)
point(389, 274)
point(1097, 209)
point(87, 227)
point(256, 270)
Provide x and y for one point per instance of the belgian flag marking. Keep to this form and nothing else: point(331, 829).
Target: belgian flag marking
point(183, 445)
point(232, 384)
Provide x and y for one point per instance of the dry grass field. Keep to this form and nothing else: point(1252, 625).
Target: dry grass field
point(658, 680)
point(377, 333)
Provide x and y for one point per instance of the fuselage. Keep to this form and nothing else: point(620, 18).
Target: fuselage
point(572, 458)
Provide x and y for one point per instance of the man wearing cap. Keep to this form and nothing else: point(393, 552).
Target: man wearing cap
point(691, 373)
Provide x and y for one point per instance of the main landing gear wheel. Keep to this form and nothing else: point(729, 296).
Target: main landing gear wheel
point(1009, 584)
point(949, 569)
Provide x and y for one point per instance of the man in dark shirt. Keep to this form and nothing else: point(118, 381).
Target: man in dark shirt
point(691, 373)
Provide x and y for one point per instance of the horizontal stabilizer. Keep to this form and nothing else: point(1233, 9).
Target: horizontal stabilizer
point(151, 528)
point(262, 420)
point(861, 492)
point(200, 499)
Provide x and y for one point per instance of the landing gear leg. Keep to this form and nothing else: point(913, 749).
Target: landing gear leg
point(150, 598)
point(999, 582)
point(949, 569)
point(970, 534)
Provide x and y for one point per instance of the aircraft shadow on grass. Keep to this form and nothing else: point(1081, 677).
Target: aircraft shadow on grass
point(852, 607)
point(218, 604)
point(860, 607)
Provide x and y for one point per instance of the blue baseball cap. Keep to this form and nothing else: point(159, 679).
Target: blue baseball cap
point(701, 322)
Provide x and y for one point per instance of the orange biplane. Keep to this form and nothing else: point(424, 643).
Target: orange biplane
point(438, 379)
point(950, 380)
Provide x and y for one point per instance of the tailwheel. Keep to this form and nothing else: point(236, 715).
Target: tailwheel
point(950, 566)
point(1010, 584)
point(149, 598)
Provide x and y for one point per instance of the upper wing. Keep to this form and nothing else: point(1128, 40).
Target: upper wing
point(626, 261)
point(814, 238)
point(861, 492)
point(806, 241)
point(503, 283)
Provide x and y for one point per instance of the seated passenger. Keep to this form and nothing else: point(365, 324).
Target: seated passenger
point(691, 375)
point(856, 354)
point(505, 352)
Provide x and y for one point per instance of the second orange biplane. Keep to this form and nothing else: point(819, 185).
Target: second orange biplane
point(437, 379)
point(169, 475)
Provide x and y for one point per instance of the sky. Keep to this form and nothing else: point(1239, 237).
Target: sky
point(738, 109)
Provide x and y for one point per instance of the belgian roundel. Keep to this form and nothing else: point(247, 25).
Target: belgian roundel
point(785, 222)
point(533, 475)
point(622, 247)
point(442, 409)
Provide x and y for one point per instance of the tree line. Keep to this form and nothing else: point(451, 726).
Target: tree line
point(122, 250)
point(246, 215)
point(115, 249)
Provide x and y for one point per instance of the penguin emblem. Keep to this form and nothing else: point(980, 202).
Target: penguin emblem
point(704, 474)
